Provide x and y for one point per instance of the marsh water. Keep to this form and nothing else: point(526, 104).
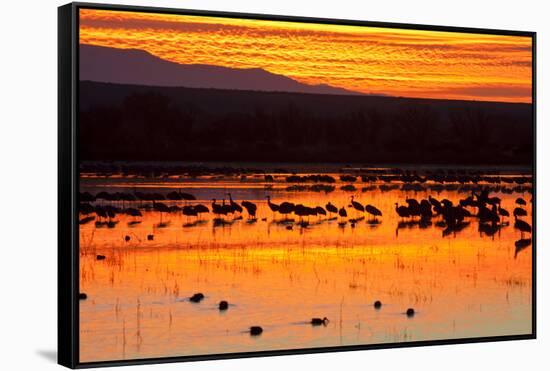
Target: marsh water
point(278, 274)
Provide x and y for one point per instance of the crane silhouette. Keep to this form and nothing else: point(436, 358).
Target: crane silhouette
point(343, 213)
point(250, 209)
point(286, 208)
point(331, 208)
point(402, 211)
point(161, 208)
point(414, 207)
point(373, 210)
point(520, 201)
point(523, 227)
point(503, 212)
point(320, 211)
point(226, 209)
point(518, 211)
point(217, 209)
point(201, 209)
point(189, 211)
point(235, 206)
point(272, 206)
point(357, 206)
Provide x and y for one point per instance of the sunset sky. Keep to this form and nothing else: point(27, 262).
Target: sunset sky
point(395, 62)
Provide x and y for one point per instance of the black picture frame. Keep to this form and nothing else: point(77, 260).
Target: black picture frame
point(68, 184)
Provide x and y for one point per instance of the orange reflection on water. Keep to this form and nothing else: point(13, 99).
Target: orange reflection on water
point(463, 285)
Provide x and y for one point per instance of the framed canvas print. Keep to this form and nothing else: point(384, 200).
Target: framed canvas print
point(236, 185)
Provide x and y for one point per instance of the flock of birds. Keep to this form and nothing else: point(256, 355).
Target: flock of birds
point(256, 330)
point(453, 217)
point(106, 213)
point(488, 210)
point(422, 213)
point(315, 321)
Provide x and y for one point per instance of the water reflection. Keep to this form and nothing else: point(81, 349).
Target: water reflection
point(450, 255)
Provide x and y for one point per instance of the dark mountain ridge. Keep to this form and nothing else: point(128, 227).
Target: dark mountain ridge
point(134, 66)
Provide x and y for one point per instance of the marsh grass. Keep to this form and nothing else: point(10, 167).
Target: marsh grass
point(463, 285)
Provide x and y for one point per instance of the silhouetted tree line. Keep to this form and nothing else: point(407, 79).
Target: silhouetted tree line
point(150, 126)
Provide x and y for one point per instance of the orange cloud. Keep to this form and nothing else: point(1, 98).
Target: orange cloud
point(411, 63)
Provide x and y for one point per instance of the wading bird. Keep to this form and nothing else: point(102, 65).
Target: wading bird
point(372, 210)
point(402, 211)
point(272, 206)
point(343, 213)
point(331, 208)
point(503, 212)
point(518, 211)
point(250, 209)
point(161, 208)
point(234, 206)
point(201, 209)
point(286, 208)
point(357, 206)
point(217, 209)
point(523, 227)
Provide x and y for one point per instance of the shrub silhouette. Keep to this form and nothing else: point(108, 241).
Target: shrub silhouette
point(200, 125)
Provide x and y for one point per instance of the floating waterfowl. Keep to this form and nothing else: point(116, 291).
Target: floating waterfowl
point(256, 330)
point(319, 321)
point(196, 298)
point(223, 305)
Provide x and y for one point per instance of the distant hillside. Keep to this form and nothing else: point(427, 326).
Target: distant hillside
point(222, 101)
point(134, 66)
point(129, 122)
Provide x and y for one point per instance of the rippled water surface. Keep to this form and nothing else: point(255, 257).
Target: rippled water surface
point(278, 275)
